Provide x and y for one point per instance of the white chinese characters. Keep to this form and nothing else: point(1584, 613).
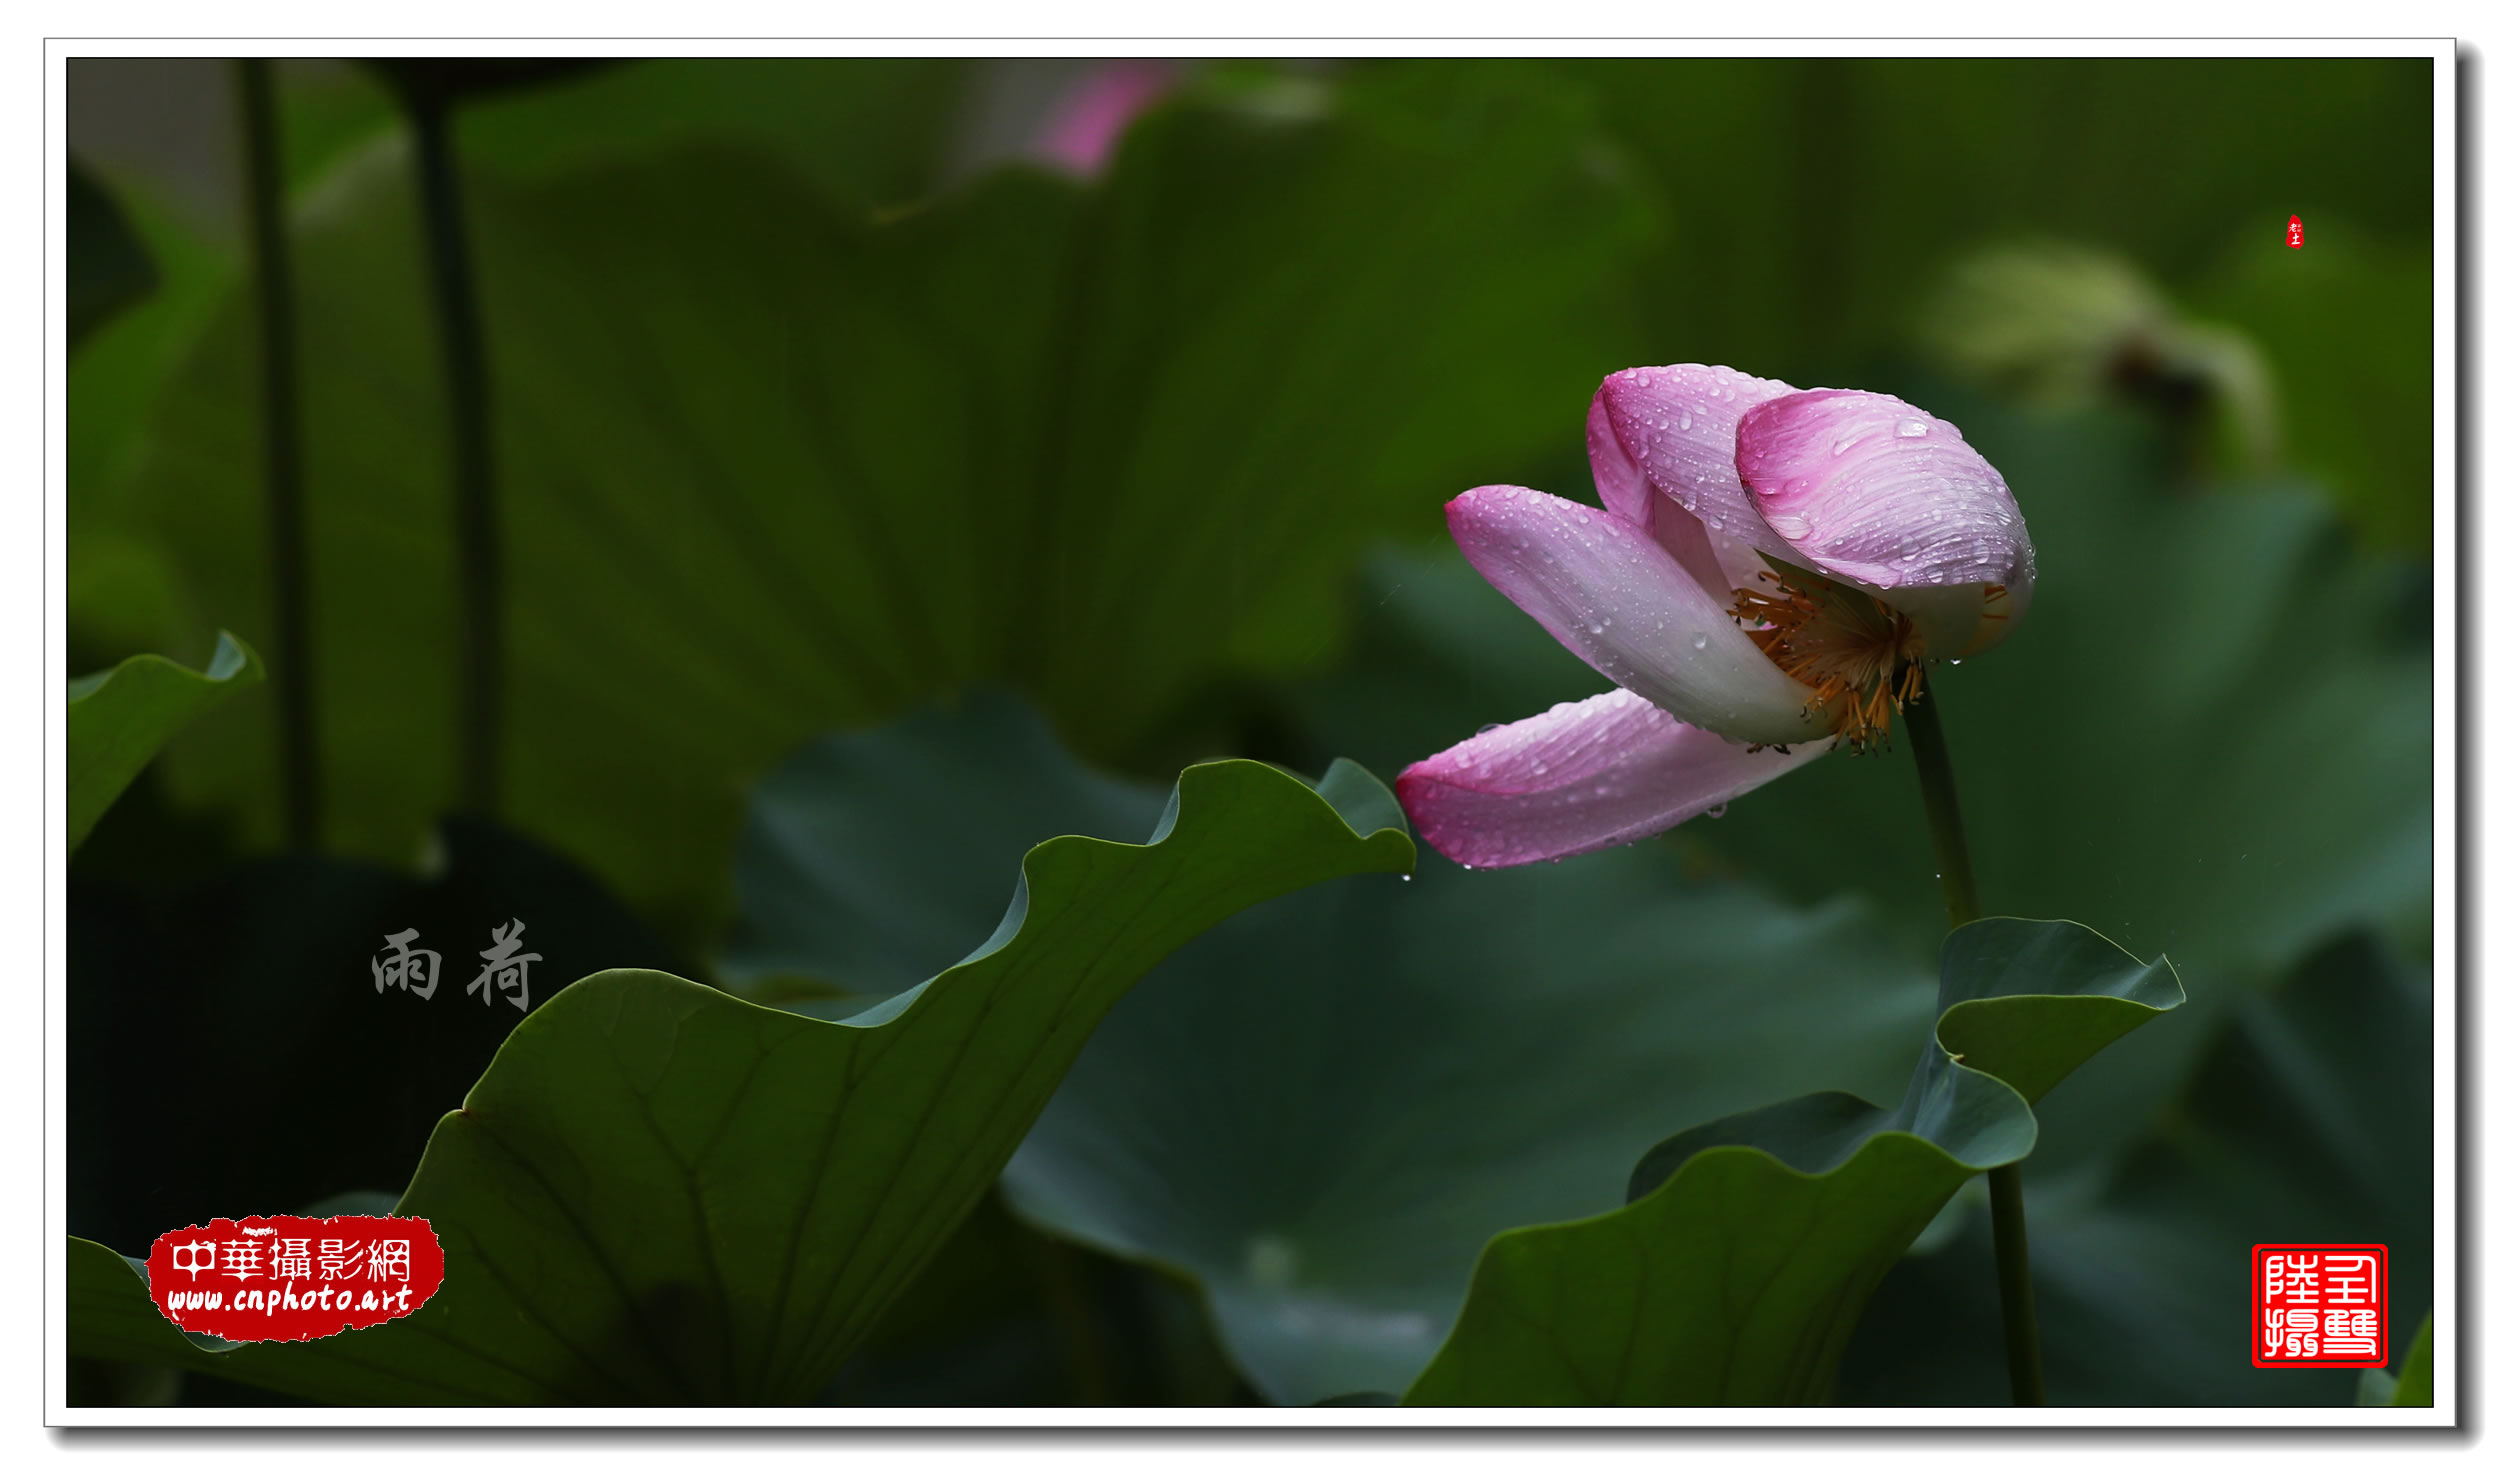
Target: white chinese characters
point(403, 965)
point(412, 968)
point(508, 966)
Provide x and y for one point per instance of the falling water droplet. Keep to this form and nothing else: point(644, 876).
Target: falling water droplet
point(1402, 879)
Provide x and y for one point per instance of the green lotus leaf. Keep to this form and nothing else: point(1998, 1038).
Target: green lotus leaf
point(119, 718)
point(2413, 1385)
point(109, 269)
point(769, 464)
point(661, 1193)
point(1321, 1113)
point(2306, 1118)
point(1751, 1244)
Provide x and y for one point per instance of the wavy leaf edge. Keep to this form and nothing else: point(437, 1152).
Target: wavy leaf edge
point(2158, 974)
point(1363, 808)
point(1943, 1085)
point(113, 758)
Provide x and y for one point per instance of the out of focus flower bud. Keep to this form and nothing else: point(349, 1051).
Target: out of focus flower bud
point(2063, 326)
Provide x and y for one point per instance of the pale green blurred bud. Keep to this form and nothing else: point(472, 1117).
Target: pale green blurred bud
point(2063, 325)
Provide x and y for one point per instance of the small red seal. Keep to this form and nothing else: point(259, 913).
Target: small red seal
point(2291, 232)
point(2318, 1306)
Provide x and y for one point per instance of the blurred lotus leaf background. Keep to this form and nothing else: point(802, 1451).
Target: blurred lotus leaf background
point(901, 463)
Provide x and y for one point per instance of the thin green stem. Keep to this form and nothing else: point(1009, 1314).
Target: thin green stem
point(1944, 810)
point(282, 459)
point(2005, 1183)
point(477, 535)
point(1088, 1365)
point(2022, 1322)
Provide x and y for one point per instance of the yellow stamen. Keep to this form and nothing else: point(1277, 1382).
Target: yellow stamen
point(1860, 657)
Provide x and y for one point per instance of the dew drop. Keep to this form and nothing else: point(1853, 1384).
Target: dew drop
point(1684, 423)
point(1403, 879)
point(1701, 643)
point(1715, 811)
point(1911, 427)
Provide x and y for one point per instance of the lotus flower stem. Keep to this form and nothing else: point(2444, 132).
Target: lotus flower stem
point(2013, 1248)
point(1944, 810)
point(2005, 1183)
point(477, 537)
point(273, 293)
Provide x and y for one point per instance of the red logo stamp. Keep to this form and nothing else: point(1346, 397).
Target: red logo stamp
point(2291, 232)
point(2318, 1306)
point(284, 1278)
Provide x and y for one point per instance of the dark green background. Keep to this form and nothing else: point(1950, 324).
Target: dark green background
point(817, 402)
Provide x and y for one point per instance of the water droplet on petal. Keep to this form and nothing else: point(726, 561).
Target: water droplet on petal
point(1911, 427)
point(1715, 811)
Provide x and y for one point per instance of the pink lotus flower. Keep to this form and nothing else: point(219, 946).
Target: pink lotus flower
point(1771, 572)
point(1090, 119)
